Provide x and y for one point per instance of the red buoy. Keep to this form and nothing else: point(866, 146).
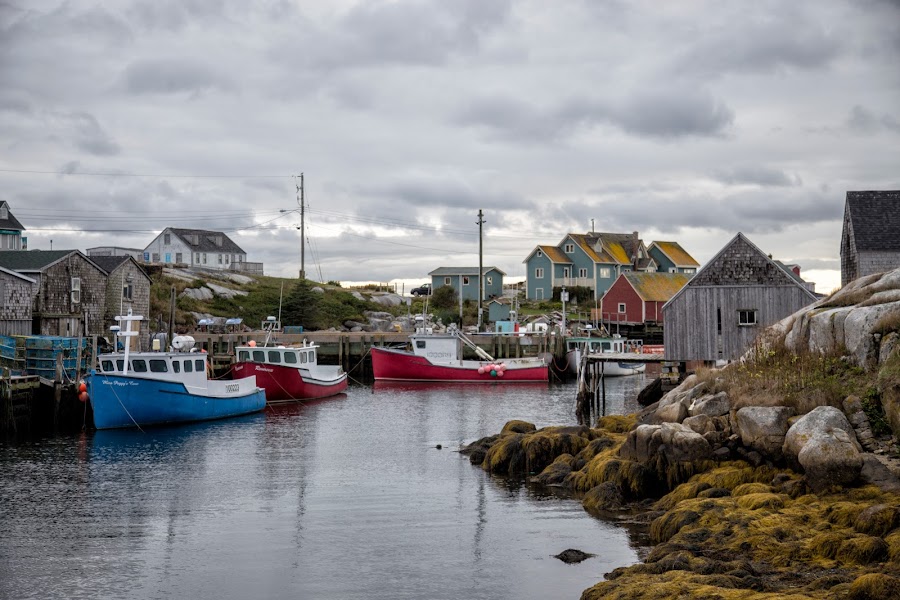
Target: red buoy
point(83, 396)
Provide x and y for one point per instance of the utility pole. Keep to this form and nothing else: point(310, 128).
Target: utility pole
point(302, 203)
point(480, 270)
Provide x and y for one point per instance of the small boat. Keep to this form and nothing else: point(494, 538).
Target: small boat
point(289, 373)
point(438, 357)
point(575, 348)
point(135, 389)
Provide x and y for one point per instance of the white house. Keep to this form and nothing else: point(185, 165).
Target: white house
point(195, 248)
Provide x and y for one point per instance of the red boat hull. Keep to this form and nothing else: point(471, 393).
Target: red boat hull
point(399, 365)
point(287, 384)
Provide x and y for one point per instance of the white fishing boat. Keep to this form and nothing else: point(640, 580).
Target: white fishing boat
point(615, 344)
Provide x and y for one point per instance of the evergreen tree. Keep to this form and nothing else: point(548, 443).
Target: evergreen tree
point(301, 306)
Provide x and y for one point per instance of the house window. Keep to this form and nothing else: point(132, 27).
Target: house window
point(204, 258)
point(220, 259)
point(226, 259)
point(605, 272)
point(582, 273)
point(4, 212)
point(566, 272)
point(76, 289)
point(539, 273)
point(446, 281)
point(569, 248)
point(465, 281)
point(489, 281)
point(621, 307)
point(746, 318)
point(156, 257)
point(197, 258)
point(167, 239)
point(540, 254)
point(690, 271)
point(128, 291)
point(673, 270)
point(178, 257)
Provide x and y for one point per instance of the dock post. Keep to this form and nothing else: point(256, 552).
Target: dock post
point(603, 388)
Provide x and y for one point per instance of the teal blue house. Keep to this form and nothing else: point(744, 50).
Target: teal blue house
point(595, 261)
point(590, 260)
point(670, 257)
point(464, 281)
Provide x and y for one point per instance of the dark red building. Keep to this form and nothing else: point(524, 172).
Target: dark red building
point(637, 298)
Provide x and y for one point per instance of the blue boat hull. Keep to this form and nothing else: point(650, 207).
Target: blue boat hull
point(122, 401)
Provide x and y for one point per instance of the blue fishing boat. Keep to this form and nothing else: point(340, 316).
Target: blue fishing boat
point(134, 389)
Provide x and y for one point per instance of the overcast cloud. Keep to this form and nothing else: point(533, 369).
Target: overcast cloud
point(685, 121)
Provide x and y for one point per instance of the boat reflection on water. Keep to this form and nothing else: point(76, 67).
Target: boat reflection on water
point(291, 409)
point(461, 386)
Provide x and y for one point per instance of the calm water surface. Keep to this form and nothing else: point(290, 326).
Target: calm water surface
point(343, 498)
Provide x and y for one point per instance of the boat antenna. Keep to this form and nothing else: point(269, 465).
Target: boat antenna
point(280, 296)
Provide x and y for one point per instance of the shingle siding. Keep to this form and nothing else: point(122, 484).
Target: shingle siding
point(870, 240)
point(58, 314)
point(15, 305)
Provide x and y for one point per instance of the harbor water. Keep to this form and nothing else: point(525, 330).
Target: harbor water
point(344, 498)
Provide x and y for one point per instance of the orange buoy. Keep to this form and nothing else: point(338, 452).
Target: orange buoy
point(82, 387)
point(83, 396)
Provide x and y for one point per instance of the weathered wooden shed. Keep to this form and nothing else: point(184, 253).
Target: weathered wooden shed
point(721, 311)
point(16, 292)
point(870, 240)
point(127, 287)
point(70, 292)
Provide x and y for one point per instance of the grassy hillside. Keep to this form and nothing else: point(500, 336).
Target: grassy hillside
point(320, 311)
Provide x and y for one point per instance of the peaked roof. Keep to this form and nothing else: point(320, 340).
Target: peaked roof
point(440, 271)
point(32, 260)
point(17, 275)
point(10, 222)
point(676, 254)
point(740, 272)
point(555, 254)
point(206, 240)
point(656, 287)
point(875, 217)
point(111, 263)
point(615, 248)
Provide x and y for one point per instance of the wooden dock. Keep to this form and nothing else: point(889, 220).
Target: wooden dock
point(590, 402)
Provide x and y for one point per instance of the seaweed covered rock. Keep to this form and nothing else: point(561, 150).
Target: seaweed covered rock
point(530, 453)
point(672, 440)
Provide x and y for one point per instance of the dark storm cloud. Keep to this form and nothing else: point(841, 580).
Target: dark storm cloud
point(376, 34)
point(436, 192)
point(761, 42)
point(173, 76)
point(757, 175)
point(90, 136)
point(672, 113)
point(865, 122)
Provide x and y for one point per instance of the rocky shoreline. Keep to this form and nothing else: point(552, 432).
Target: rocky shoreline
point(775, 477)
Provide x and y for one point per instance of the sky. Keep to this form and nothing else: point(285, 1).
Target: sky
point(686, 121)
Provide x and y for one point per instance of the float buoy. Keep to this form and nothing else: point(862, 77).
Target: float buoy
point(83, 396)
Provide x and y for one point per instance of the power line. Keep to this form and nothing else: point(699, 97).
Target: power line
point(158, 175)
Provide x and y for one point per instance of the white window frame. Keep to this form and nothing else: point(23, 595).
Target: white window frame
point(605, 272)
point(582, 273)
point(167, 239)
point(447, 281)
point(748, 317)
point(622, 308)
point(465, 280)
point(76, 290)
point(567, 272)
point(539, 273)
point(690, 271)
point(569, 248)
point(489, 281)
point(540, 253)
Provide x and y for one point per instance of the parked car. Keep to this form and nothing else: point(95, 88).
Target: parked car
point(423, 290)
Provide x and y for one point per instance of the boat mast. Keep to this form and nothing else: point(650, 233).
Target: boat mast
point(480, 270)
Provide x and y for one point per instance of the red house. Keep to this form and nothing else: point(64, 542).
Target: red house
point(636, 298)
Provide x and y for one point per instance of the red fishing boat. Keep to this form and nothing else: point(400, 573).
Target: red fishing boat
point(438, 357)
point(288, 373)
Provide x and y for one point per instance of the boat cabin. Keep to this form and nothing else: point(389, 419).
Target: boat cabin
point(436, 347)
point(617, 345)
point(189, 367)
point(296, 357)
